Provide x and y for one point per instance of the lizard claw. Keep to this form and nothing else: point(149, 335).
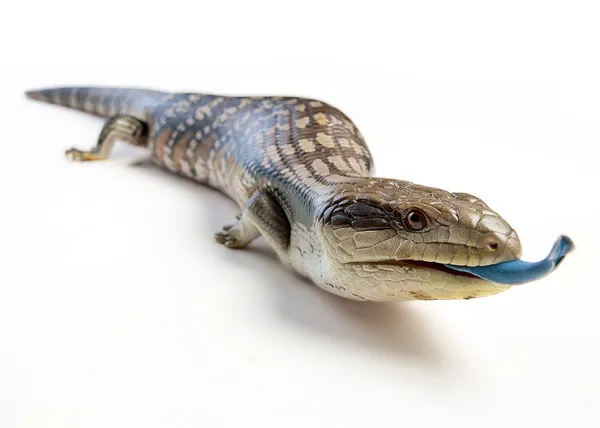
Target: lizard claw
point(77, 155)
point(74, 154)
point(225, 237)
point(233, 235)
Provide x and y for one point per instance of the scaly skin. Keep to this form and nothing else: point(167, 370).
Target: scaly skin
point(300, 171)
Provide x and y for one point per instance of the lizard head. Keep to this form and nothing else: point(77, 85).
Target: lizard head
point(392, 240)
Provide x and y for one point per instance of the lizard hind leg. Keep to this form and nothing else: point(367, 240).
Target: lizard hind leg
point(118, 128)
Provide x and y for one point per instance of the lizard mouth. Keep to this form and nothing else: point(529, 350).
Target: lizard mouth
point(435, 266)
point(507, 273)
point(419, 264)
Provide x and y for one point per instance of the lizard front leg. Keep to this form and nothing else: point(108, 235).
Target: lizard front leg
point(118, 128)
point(264, 216)
point(238, 234)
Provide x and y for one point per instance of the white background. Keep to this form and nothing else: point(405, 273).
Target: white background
point(117, 308)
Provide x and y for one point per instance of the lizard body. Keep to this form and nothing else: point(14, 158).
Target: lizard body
point(300, 171)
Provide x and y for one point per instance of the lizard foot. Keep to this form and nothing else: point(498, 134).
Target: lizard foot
point(237, 235)
point(77, 155)
point(227, 236)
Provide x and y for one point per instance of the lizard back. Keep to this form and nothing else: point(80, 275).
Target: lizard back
point(298, 147)
point(236, 144)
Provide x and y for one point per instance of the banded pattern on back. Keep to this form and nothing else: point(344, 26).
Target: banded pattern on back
point(298, 147)
point(236, 144)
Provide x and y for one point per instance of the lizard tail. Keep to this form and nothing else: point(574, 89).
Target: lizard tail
point(102, 102)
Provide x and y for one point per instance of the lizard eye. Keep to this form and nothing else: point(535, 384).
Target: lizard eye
point(416, 220)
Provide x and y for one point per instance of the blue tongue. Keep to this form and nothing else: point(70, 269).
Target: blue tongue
point(518, 271)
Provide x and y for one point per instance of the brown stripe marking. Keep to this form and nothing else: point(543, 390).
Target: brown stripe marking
point(161, 142)
point(180, 148)
point(203, 149)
